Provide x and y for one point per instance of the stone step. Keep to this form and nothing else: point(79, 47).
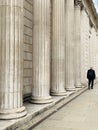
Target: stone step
point(37, 113)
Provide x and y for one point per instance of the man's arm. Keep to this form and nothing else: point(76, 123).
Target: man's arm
point(87, 75)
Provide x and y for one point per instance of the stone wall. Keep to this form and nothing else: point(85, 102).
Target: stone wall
point(27, 73)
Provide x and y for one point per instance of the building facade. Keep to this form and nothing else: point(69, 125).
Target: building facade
point(46, 48)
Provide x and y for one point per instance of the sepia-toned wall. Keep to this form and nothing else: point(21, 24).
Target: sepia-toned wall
point(28, 28)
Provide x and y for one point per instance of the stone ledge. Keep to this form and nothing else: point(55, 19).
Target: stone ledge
point(37, 113)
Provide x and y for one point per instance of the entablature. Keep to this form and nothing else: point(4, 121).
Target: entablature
point(91, 12)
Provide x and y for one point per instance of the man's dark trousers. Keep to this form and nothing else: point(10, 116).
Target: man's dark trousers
point(90, 82)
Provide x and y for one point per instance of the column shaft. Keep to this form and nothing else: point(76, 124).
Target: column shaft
point(41, 51)
point(84, 46)
point(69, 44)
point(77, 48)
point(58, 47)
point(11, 59)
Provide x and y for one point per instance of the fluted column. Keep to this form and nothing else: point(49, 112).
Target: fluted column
point(58, 48)
point(41, 51)
point(11, 59)
point(96, 55)
point(92, 48)
point(77, 47)
point(69, 10)
point(85, 30)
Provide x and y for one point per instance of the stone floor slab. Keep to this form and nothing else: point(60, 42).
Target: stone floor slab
point(80, 114)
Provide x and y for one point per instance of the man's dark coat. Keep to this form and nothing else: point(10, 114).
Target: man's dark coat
point(91, 74)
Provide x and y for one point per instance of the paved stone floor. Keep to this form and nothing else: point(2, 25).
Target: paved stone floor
point(80, 114)
point(36, 112)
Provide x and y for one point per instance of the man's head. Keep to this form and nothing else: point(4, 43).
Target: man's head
point(91, 67)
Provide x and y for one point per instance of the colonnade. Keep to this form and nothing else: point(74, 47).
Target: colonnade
point(57, 52)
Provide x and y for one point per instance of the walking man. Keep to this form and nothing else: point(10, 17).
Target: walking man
point(91, 77)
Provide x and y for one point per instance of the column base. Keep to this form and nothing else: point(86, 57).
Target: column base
point(71, 89)
point(41, 100)
point(84, 84)
point(78, 85)
point(58, 93)
point(13, 113)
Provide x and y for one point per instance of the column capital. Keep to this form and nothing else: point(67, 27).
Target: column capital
point(78, 3)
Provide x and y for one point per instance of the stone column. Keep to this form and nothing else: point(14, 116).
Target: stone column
point(96, 55)
point(77, 47)
point(69, 10)
point(85, 30)
point(41, 51)
point(58, 47)
point(11, 59)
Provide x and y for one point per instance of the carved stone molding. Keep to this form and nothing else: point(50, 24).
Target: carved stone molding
point(78, 3)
